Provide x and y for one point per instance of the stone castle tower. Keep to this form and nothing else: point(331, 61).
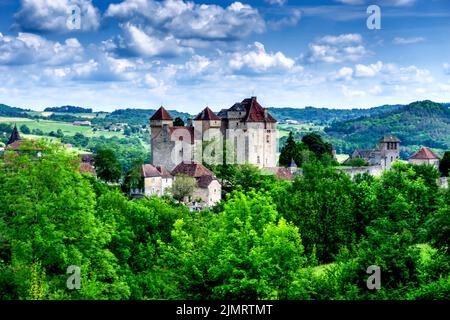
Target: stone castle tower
point(246, 130)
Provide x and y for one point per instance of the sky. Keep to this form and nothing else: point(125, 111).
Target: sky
point(187, 55)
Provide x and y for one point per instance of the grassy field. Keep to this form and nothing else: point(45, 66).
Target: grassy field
point(284, 128)
point(67, 128)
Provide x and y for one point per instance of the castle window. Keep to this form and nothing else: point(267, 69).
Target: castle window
point(180, 138)
point(268, 138)
point(259, 160)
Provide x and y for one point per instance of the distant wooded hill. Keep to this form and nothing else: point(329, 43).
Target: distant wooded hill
point(325, 116)
point(420, 123)
point(68, 109)
point(139, 116)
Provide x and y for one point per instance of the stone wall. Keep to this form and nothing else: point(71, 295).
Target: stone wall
point(375, 171)
point(443, 182)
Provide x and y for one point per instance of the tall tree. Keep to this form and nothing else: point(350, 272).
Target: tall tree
point(107, 166)
point(183, 187)
point(444, 166)
point(178, 122)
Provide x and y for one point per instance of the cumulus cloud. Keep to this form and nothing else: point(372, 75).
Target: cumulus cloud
point(29, 48)
point(412, 40)
point(138, 42)
point(370, 70)
point(188, 20)
point(258, 60)
point(52, 15)
point(352, 93)
point(288, 20)
point(344, 73)
point(336, 49)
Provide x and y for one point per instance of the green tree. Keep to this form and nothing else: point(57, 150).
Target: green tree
point(444, 166)
point(47, 223)
point(133, 177)
point(107, 166)
point(25, 129)
point(178, 122)
point(183, 188)
point(315, 143)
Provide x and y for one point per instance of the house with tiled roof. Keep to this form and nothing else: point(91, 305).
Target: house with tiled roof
point(157, 180)
point(208, 191)
point(425, 156)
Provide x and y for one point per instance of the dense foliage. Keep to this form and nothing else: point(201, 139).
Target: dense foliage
point(312, 238)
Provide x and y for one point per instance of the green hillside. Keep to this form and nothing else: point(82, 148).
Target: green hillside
point(326, 115)
point(420, 123)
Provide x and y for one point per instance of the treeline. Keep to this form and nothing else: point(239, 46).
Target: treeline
point(68, 109)
point(312, 238)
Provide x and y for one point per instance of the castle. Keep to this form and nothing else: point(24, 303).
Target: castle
point(244, 133)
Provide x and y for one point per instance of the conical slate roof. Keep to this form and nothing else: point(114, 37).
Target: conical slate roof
point(15, 136)
point(161, 114)
point(207, 115)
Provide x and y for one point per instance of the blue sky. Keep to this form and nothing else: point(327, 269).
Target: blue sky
point(189, 54)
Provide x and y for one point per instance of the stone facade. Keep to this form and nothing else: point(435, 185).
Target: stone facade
point(208, 191)
point(246, 130)
point(157, 180)
point(387, 152)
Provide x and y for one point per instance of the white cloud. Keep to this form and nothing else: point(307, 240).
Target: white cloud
point(336, 49)
point(29, 48)
point(400, 40)
point(141, 43)
point(288, 20)
point(52, 15)
point(258, 60)
point(344, 73)
point(189, 20)
point(276, 2)
point(352, 93)
point(370, 70)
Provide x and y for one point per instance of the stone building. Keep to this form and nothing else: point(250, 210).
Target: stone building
point(157, 180)
point(387, 152)
point(208, 191)
point(246, 130)
point(425, 156)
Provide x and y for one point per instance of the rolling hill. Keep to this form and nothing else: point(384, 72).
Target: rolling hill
point(419, 123)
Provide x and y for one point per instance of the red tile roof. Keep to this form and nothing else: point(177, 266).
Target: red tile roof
point(161, 114)
point(164, 172)
point(149, 171)
point(281, 173)
point(255, 112)
point(207, 115)
point(424, 153)
point(192, 169)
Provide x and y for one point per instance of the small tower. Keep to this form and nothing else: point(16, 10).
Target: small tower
point(207, 127)
point(390, 150)
point(15, 136)
point(161, 145)
point(293, 167)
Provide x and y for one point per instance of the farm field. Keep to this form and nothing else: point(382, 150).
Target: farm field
point(67, 128)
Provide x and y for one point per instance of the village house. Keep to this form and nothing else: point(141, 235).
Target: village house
point(208, 191)
point(157, 180)
point(425, 156)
